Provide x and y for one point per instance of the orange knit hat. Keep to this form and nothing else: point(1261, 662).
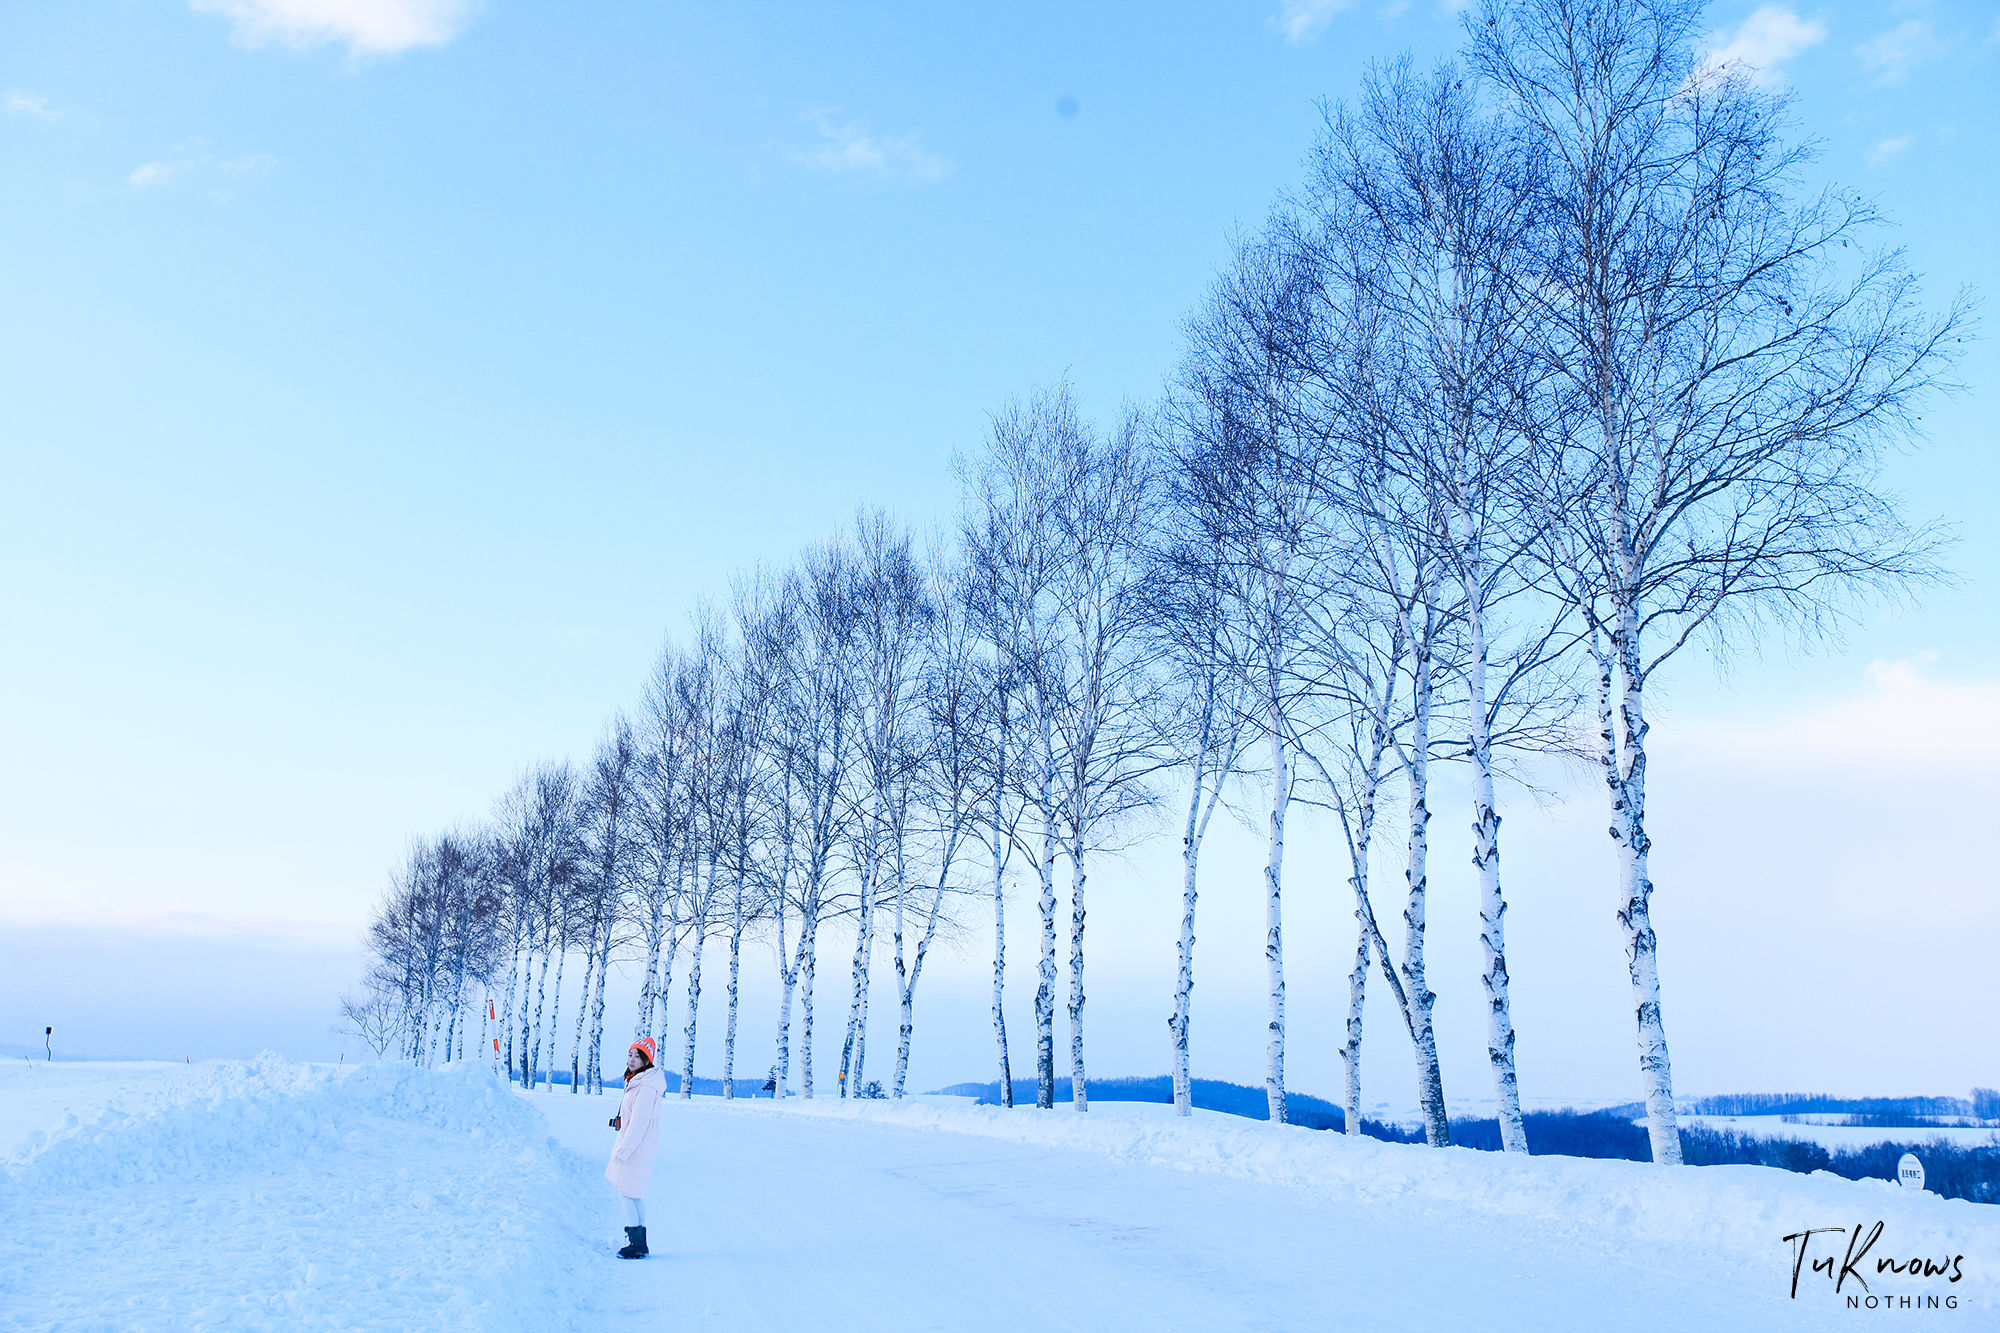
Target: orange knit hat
point(645, 1047)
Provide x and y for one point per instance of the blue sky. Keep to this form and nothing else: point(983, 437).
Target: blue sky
point(380, 380)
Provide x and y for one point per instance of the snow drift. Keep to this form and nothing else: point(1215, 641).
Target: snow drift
point(265, 1194)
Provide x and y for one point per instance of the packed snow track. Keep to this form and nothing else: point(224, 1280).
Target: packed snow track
point(273, 1195)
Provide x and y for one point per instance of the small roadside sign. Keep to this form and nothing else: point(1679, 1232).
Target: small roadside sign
point(1910, 1172)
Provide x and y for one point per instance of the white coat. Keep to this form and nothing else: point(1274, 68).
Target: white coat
point(631, 1169)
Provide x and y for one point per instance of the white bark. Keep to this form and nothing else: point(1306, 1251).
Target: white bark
point(1350, 1054)
point(555, 1001)
point(1274, 938)
point(1177, 1026)
point(1430, 1079)
point(1045, 990)
point(806, 1011)
point(855, 1048)
point(649, 983)
point(658, 1023)
point(697, 939)
point(1079, 1087)
point(532, 1042)
point(1486, 857)
point(582, 1017)
point(1624, 755)
point(735, 970)
point(907, 988)
point(1360, 832)
point(1000, 952)
point(506, 1018)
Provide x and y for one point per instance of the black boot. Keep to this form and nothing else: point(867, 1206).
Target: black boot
point(637, 1247)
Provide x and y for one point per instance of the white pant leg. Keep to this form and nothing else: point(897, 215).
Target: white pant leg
point(635, 1211)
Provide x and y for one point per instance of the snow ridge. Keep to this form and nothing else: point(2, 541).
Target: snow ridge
point(266, 1194)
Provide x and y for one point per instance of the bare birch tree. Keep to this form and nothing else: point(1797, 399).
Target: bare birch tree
point(1204, 709)
point(1008, 534)
point(892, 615)
point(1446, 213)
point(1256, 472)
point(611, 818)
point(947, 779)
point(814, 737)
point(1724, 363)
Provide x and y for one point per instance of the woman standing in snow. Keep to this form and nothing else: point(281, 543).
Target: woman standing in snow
point(638, 1126)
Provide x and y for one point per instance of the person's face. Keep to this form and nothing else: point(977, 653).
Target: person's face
point(632, 1062)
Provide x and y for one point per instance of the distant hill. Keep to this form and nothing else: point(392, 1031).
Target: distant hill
point(1208, 1094)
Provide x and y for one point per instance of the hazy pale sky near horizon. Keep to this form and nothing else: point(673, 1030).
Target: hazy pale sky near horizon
point(380, 382)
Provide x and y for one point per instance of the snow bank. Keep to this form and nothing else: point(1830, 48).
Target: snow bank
point(266, 1194)
point(1722, 1215)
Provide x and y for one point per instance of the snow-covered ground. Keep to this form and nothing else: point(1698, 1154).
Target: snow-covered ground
point(263, 1194)
point(275, 1195)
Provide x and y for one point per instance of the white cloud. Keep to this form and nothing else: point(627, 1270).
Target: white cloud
point(1908, 719)
point(27, 104)
point(844, 147)
point(193, 159)
point(368, 27)
point(1890, 56)
point(1889, 148)
point(1768, 38)
point(1299, 21)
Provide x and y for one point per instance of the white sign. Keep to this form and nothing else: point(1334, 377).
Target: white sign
point(1910, 1172)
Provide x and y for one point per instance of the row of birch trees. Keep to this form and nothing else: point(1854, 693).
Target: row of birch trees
point(1550, 368)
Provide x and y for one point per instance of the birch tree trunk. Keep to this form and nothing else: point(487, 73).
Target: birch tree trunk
point(650, 979)
point(855, 1046)
point(806, 1011)
point(697, 941)
point(1000, 850)
point(1079, 1086)
point(1486, 857)
point(1430, 1079)
point(1045, 990)
point(1626, 777)
point(506, 1019)
point(596, 1048)
point(582, 1016)
point(1000, 972)
point(664, 995)
point(1350, 1054)
point(534, 1048)
point(658, 1020)
point(908, 989)
point(905, 987)
point(1200, 809)
point(788, 978)
point(861, 1008)
point(735, 967)
point(555, 1008)
point(1184, 976)
point(693, 1012)
point(1274, 938)
point(594, 1052)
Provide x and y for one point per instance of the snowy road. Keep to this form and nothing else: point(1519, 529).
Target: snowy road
point(269, 1195)
point(804, 1218)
